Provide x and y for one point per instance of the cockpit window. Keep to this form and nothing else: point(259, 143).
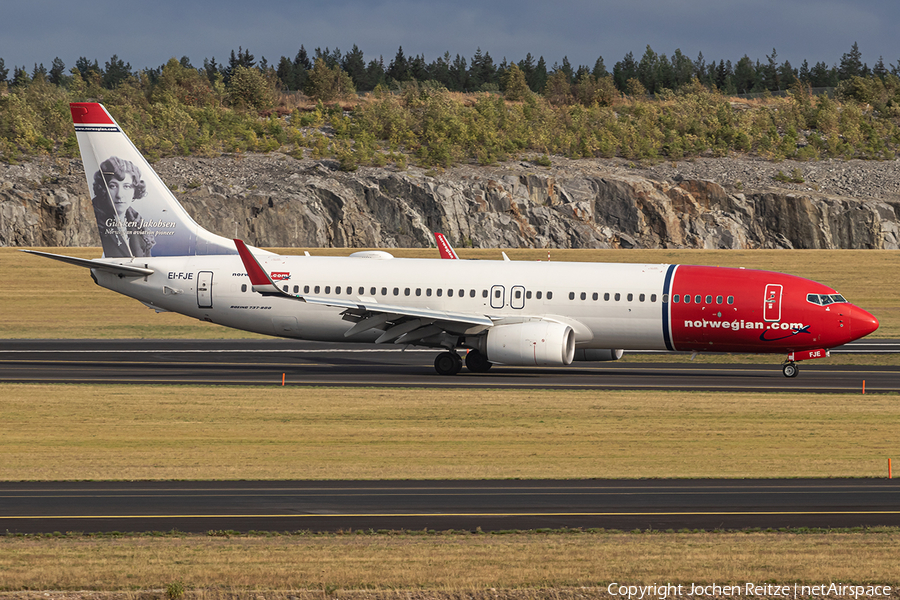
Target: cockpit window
point(824, 299)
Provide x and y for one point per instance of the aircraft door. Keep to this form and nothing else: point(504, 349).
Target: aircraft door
point(517, 297)
point(498, 296)
point(772, 302)
point(204, 289)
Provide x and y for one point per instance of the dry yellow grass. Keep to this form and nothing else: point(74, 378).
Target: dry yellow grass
point(52, 432)
point(42, 298)
point(447, 563)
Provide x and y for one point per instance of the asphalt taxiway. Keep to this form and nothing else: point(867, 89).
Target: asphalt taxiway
point(442, 505)
point(299, 363)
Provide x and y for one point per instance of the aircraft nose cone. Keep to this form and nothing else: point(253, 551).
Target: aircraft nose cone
point(862, 323)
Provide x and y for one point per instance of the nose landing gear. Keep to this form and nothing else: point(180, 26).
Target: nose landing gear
point(790, 369)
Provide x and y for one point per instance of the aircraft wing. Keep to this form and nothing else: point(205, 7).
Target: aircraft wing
point(118, 269)
point(403, 324)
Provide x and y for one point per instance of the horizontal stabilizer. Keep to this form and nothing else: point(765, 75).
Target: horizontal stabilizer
point(118, 269)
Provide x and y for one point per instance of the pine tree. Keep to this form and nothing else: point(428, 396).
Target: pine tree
point(599, 70)
point(39, 73)
point(116, 72)
point(398, 70)
point(57, 71)
point(302, 59)
point(355, 65)
point(4, 72)
point(851, 63)
point(879, 70)
point(514, 84)
point(85, 66)
point(744, 75)
point(624, 70)
point(538, 78)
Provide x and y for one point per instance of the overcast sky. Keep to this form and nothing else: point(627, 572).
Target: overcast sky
point(147, 34)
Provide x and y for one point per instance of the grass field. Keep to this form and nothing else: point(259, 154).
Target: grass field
point(83, 432)
point(411, 566)
point(42, 298)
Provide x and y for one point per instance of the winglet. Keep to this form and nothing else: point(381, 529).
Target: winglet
point(259, 279)
point(444, 247)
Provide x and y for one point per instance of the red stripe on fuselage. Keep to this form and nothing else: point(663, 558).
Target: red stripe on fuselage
point(769, 312)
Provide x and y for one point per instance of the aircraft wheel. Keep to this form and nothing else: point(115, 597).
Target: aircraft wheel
point(790, 370)
point(448, 363)
point(477, 362)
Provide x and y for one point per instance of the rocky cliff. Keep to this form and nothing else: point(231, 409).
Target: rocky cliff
point(275, 200)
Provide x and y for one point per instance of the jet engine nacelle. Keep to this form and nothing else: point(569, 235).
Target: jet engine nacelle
point(598, 354)
point(534, 343)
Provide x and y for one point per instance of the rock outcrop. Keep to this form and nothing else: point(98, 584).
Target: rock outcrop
point(275, 200)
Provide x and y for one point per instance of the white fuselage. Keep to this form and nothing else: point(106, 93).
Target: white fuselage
point(608, 305)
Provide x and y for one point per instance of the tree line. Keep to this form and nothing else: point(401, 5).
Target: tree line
point(655, 72)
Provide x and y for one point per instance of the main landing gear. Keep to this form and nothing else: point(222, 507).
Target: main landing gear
point(450, 363)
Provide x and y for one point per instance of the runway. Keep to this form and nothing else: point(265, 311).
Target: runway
point(443, 505)
point(265, 362)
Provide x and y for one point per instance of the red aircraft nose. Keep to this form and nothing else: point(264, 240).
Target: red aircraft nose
point(861, 323)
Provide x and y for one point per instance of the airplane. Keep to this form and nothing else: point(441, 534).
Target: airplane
point(519, 313)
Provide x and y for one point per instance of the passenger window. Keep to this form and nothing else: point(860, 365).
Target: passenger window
point(439, 291)
point(462, 293)
point(606, 296)
point(571, 295)
point(528, 295)
point(471, 293)
point(594, 296)
point(450, 293)
point(653, 298)
point(243, 287)
point(687, 299)
point(327, 289)
point(496, 293)
point(718, 299)
point(675, 299)
point(284, 288)
point(583, 296)
point(549, 295)
point(337, 290)
point(617, 297)
point(518, 294)
point(406, 292)
point(362, 290)
point(428, 291)
point(316, 289)
point(537, 295)
point(641, 298)
point(730, 299)
point(709, 299)
point(418, 291)
point(630, 297)
point(296, 289)
point(484, 293)
point(305, 289)
point(697, 299)
point(396, 291)
point(371, 291)
point(384, 291)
